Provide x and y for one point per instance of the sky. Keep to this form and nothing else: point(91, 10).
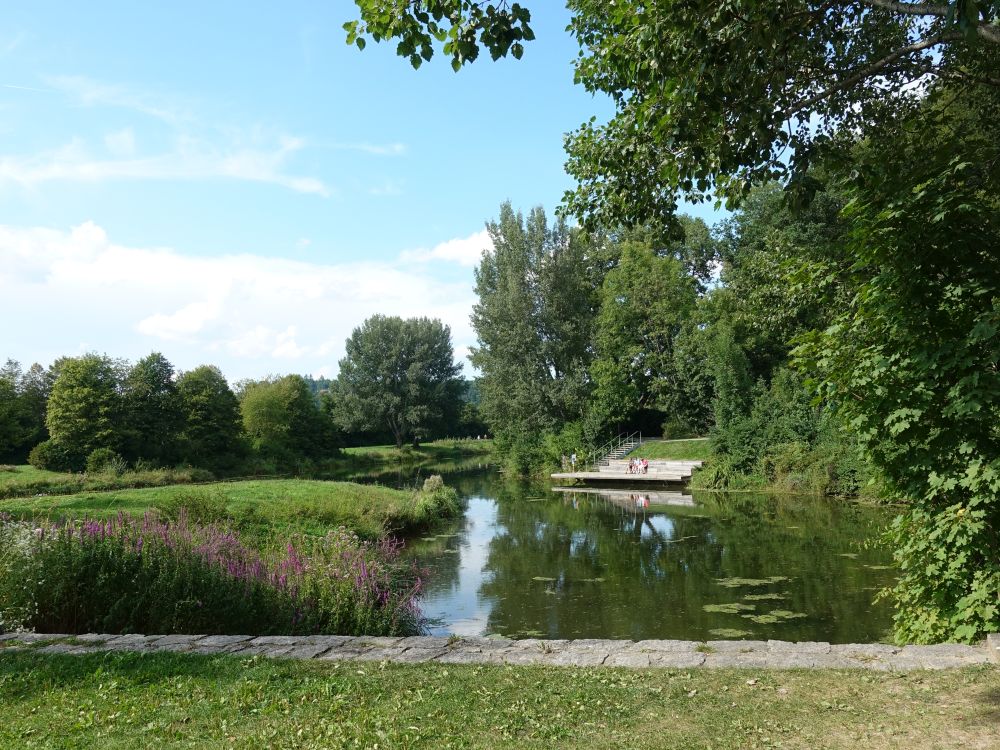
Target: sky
point(229, 183)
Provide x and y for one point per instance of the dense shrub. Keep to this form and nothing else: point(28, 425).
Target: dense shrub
point(105, 460)
point(154, 575)
point(51, 456)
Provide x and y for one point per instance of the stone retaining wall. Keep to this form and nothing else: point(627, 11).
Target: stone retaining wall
point(572, 653)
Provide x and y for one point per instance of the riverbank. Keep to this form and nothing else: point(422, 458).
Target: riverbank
point(27, 481)
point(273, 507)
point(130, 700)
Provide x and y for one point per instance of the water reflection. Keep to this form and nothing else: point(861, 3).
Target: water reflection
point(527, 561)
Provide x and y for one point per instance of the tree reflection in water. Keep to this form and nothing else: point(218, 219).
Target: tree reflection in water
point(526, 561)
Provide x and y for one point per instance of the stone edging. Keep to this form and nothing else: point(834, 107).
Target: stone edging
point(571, 653)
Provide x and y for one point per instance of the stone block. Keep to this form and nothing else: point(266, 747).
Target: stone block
point(736, 647)
point(666, 645)
point(306, 651)
point(215, 641)
point(605, 644)
point(177, 640)
point(368, 641)
point(544, 645)
point(864, 652)
point(421, 641)
point(801, 647)
point(277, 640)
point(330, 641)
point(413, 655)
point(483, 644)
point(993, 646)
point(677, 660)
point(630, 658)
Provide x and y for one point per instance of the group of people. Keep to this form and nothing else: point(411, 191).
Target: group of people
point(638, 466)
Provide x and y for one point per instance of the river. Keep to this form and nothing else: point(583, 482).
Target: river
point(525, 561)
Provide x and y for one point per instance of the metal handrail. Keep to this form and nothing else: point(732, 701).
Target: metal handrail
point(595, 457)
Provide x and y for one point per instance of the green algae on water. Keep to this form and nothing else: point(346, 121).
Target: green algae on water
point(730, 608)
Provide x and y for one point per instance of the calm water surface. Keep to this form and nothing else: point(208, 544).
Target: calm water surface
point(525, 561)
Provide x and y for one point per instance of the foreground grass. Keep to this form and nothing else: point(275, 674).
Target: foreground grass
point(171, 700)
point(275, 506)
point(677, 450)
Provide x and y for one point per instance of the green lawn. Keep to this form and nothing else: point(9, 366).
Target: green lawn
point(120, 700)
point(276, 506)
point(27, 473)
point(434, 451)
point(679, 450)
point(26, 481)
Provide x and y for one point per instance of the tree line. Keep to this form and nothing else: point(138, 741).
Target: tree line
point(398, 382)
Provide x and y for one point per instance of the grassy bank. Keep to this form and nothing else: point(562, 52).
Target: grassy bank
point(676, 450)
point(438, 450)
point(172, 700)
point(27, 481)
point(259, 507)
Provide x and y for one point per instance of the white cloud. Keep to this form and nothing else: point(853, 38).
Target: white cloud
point(121, 143)
point(252, 315)
point(465, 251)
point(375, 149)
point(89, 93)
point(190, 159)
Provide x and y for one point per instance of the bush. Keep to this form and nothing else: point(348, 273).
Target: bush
point(103, 460)
point(51, 456)
point(153, 575)
point(435, 501)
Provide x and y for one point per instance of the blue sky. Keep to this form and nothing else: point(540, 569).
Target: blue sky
point(231, 183)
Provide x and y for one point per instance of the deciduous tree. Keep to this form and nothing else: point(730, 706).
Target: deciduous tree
point(400, 375)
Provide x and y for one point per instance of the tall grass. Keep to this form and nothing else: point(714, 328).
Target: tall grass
point(151, 574)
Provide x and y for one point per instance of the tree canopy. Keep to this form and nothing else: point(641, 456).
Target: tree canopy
point(713, 97)
point(400, 375)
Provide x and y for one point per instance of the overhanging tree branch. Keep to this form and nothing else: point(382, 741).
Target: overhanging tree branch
point(871, 70)
point(985, 29)
point(909, 9)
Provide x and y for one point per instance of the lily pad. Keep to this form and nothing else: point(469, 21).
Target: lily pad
point(762, 619)
point(765, 597)
point(784, 614)
point(734, 583)
point(730, 632)
point(730, 608)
